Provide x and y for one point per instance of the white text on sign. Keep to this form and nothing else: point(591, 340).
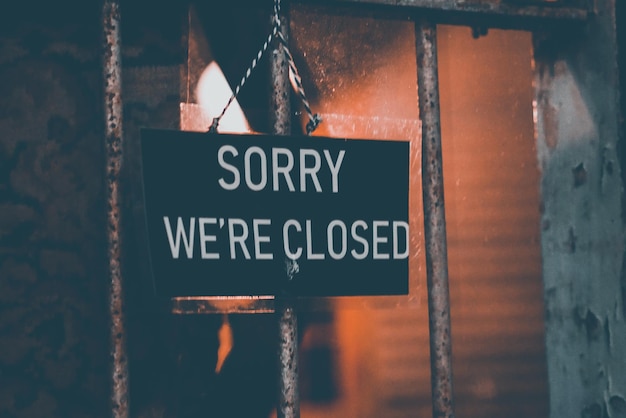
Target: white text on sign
point(359, 240)
point(281, 164)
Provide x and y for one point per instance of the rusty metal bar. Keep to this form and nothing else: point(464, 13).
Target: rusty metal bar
point(564, 10)
point(280, 119)
point(289, 397)
point(434, 222)
point(112, 69)
point(280, 102)
point(222, 305)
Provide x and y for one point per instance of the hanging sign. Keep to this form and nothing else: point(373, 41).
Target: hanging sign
point(242, 215)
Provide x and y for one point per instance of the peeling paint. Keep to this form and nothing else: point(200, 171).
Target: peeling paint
point(607, 335)
point(623, 286)
point(580, 175)
point(617, 407)
point(589, 321)
point(592, 411)
point(582, 250)
point(570, 243)
point(550, 121)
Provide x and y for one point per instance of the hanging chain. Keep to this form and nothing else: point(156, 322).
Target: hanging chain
point(314, 119)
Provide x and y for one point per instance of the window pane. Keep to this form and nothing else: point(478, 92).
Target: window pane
point(361, 74)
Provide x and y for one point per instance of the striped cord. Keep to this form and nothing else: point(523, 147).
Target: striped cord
point(314, 119)
point(246, 76)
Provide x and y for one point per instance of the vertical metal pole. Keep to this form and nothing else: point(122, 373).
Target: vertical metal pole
point(113, 149)
point(280, 103)
point(288, 394)
point(434, 222)
point(289, 397)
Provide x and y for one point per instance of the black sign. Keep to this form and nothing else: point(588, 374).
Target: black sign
point(242, 215)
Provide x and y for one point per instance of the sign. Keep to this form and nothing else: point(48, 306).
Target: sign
point(242, 215)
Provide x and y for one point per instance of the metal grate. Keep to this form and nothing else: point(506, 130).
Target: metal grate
point(433, 190)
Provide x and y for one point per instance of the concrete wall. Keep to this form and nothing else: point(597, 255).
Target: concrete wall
point(577, 92)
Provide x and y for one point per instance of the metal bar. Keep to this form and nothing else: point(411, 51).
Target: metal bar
point(112, 69)
point(280, 103)
point(280, 118)
point(289, 397)
point(434, 222)
point(570, 11)
point(222, 305)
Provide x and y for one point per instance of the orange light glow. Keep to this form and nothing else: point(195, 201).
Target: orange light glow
point(212, 94)
point(225, 337)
